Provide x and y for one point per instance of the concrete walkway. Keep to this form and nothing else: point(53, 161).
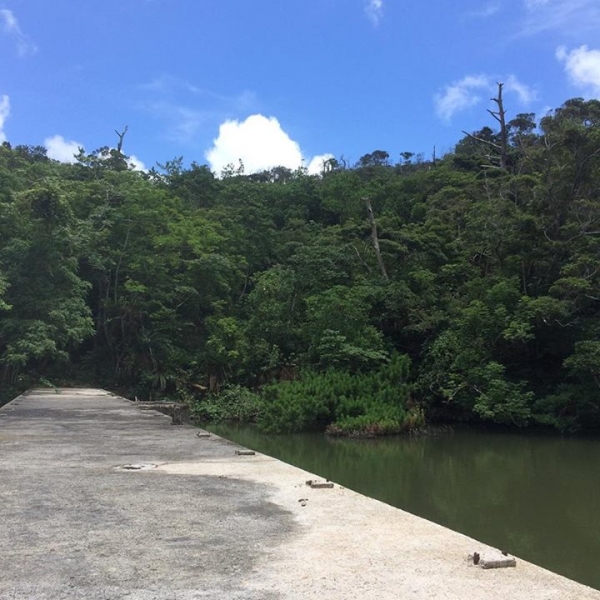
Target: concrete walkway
point(192, 519)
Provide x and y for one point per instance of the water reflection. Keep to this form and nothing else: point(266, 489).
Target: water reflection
point(535, 496)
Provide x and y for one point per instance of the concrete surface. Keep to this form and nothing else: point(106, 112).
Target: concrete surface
point(206, 522)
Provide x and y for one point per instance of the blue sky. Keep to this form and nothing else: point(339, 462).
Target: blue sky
point(283, 81)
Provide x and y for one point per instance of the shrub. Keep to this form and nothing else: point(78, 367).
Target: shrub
point(343, 403)
point(232, 403)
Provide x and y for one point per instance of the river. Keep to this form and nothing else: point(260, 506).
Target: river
point(535, 496)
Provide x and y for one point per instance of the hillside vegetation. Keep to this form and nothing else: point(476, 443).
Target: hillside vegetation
point(463, 288)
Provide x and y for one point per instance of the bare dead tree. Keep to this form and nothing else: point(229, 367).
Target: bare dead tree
point(501, 149)
point(500, 116)
point(121, 136)
point(375, 238)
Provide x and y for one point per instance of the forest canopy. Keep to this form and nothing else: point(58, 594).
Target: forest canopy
point(469, 284)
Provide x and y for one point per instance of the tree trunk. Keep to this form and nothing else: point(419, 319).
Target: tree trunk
point(500, 116)
point(375, 238)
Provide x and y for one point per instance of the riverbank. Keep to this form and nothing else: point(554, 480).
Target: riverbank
point(191, 518)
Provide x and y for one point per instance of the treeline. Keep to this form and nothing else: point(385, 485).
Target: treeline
point(478, 271)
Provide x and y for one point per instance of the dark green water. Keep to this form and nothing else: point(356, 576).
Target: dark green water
point(537, 497)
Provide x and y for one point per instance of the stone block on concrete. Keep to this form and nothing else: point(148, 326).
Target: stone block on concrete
point(496, 560)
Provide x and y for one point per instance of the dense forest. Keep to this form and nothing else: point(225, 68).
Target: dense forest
point(375, 297)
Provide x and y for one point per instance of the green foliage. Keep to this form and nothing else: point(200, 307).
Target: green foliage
point(157, 283)
point(42, 295)
point(500, 400)
point(232, 403)
point(344, 403)
point(339, 331)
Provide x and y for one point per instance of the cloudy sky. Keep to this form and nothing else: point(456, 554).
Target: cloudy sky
point(286, 82)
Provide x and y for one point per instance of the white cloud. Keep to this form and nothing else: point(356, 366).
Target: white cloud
point(466, 93)
point(4, 113)
point(571, 17)
point(486, 11)
point(185, 108)
point(9, 21)
point(535, 4)
point(136, 164)
point(374, 10)
point(181, 122)
point(459, 96)
point(582, 66)
point(317, 163)
point(10, 26)
point(62, 150)
point(260, 143)
point(167, 84)
point(525, 93)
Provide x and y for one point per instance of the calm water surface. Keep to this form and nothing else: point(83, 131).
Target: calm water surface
point(537, 497)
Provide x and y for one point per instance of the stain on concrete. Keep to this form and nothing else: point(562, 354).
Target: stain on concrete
point(74, 527)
